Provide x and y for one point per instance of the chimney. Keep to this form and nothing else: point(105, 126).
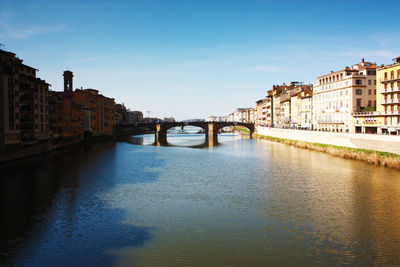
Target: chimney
point(362, 60)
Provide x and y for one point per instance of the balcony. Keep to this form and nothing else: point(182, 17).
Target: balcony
point(390, 101)
point(331, 122)
point(391, 112)
point(390, 79)
point(390, 90)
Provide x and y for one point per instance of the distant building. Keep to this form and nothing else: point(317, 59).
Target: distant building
point(284, 102)
point(135, 117)
point(121, 114)
point(304, 119)
point(261, 114)
point(168, 119)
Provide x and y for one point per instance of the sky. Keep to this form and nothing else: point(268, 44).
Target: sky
point(192, 59)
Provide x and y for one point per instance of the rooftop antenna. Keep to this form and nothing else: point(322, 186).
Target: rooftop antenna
point(2, 46)
point(148, 114)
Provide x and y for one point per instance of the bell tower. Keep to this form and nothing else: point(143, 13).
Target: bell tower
point(68, 76)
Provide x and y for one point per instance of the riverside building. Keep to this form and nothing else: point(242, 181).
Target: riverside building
point(386, 118)
point(24, 110)
point(338, 94)
point(389, 97)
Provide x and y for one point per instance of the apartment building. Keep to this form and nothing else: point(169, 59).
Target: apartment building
point(261, 113)
point(304, 109)
point(98, 111)
point(269, 108)
point(135, 116)
point(386, 118)
point(388, 97)
point(24, 102)
point(121, 114)
point(338, 94)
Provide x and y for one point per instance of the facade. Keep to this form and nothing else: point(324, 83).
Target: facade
point(269, 109)
point(388, 97)
point(386, 118)
point(305, 109)
point(67, 116)
point(121, 114)
point(24, 112)
point(338, 94)
point(260, 113)
point(135, 117)
point(98, 118)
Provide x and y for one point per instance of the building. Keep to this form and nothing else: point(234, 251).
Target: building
point(121, 114)
point(284, 104)
point(260, 113)
point(386, 118)
point(305, 109)
point(388, 97)
point(24, 112)
point(98, 111)
point(135, 117)
point(338, 94)
point(66, 114)
point(269, 109)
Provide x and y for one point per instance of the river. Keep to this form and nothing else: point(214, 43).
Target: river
point(243, 202)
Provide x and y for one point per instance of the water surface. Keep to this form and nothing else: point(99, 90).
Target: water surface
point(242, 203)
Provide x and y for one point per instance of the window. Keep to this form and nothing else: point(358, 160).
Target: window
point(369, 82)
point(370, 92)
point(369, 103)
point(358, 92)
point(374, 82)
point(359, 82)
point(358, 102)
point(375, 92)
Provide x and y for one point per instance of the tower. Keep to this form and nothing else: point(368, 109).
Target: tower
point(68, 76)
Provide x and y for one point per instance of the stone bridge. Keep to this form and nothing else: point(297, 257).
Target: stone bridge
point(210, 128)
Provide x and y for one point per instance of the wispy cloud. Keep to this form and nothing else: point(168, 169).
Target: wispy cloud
point(11, 28)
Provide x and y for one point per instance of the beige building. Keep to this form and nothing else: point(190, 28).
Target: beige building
point(261, 114)
point(305, 109)
point(338, 94)
point(386, 118)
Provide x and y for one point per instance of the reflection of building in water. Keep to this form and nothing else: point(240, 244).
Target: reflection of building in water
point(376, 202)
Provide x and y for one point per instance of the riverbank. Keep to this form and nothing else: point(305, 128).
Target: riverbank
point(52, 145)
point(339, 144)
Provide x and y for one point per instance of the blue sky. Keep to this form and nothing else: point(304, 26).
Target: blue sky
point(192, 59)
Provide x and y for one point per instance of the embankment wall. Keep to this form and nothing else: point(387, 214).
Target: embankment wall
point(385, 143)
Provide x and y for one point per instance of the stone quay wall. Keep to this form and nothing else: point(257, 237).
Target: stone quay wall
point(384, 143)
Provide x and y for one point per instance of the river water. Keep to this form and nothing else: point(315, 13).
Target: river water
point(242, 203)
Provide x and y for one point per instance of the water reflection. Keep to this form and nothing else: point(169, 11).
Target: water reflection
point(243, 203)
point(192, 141)
point(52, 216)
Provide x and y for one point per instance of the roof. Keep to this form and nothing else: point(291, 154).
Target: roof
point(29, 67)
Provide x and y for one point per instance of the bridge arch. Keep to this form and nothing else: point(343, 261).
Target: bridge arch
point(249, 126)
point(211, 129)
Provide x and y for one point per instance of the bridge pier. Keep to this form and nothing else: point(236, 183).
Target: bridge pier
point(160, 135)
